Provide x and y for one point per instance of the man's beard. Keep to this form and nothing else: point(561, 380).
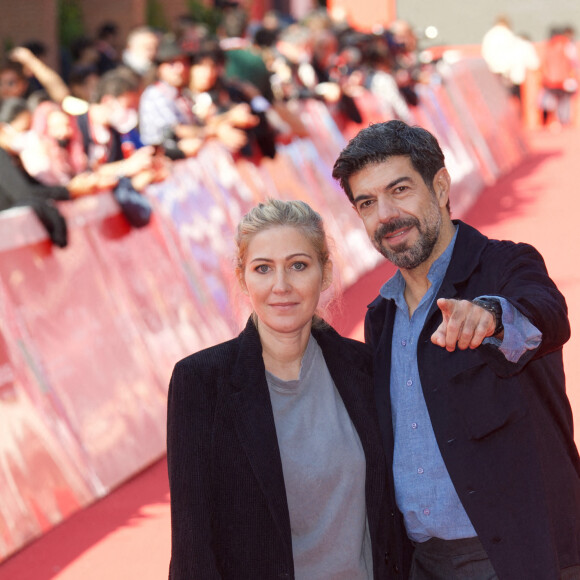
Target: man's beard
point(409, 257)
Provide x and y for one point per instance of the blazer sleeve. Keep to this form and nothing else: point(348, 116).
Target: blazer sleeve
point(189, 415)
point(525, 283)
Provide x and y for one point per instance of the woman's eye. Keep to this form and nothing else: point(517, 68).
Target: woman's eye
point(262, 269)
point(299, 266)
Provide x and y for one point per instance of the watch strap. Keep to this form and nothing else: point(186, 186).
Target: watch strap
point(494, 306)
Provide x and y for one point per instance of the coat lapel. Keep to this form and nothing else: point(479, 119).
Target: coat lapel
point(254, 421)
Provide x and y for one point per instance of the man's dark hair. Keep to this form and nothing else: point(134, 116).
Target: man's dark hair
point(13, 66)
point(115, 83)
point(208, 48)
point(379, 142)
point(107, 30)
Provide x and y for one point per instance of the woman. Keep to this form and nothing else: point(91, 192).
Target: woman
point(275, 462)
point(17, 187)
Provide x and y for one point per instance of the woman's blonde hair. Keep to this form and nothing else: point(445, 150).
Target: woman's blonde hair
point(274, 213)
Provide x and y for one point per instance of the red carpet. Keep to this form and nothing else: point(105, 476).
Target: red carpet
point(125, 536)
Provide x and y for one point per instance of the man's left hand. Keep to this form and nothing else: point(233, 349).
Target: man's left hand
point(464, 325)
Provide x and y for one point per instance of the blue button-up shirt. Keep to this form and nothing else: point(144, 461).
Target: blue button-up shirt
point(424, 491)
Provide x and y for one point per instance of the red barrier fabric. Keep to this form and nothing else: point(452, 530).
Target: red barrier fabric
point(89, 334)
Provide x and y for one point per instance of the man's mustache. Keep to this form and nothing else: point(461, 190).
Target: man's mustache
point(394, 225)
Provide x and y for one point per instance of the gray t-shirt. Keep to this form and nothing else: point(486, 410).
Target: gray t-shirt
point(324, 473)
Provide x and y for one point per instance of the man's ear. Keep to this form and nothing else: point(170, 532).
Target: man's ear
point(442, 186)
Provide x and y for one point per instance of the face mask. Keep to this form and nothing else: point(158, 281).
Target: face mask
point(123, 120)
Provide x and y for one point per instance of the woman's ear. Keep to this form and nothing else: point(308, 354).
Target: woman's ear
point(242, 282)
point(327, 275)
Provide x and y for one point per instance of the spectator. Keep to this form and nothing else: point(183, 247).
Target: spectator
point(165, 107)
point(380, 81)
point(28, 66)
point(407, 68)
point(83, 81)
point(190, 33)
point(18, 188)
point(559, 78)
point(497, 48)
point(525, 60)
point(60, 155)
point(140, 50)
point(224, 108)
point(13, 81)
point(108, 56)
point(112, 115)
point(295, 77)
point(508, 55)
point(38, 49)
point(84, 53)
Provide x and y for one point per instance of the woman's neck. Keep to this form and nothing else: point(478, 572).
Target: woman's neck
point(283, 352)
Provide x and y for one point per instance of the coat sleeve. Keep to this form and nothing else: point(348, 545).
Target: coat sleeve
point(189, 416)
point(525, 283)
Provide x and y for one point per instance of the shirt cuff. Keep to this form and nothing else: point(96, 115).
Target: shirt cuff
point(519, 334)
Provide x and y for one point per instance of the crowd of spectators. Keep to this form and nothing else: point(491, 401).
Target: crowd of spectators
point(118, 114)
point(513, 58)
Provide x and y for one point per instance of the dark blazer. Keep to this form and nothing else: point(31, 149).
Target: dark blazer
point(504, 429)
point(228, 501)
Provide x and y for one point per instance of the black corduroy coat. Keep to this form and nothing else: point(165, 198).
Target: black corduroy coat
point(228, 501)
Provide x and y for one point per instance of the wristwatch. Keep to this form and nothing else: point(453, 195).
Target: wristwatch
point(492, 305)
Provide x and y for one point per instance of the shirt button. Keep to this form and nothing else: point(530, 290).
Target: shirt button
point(414, 425)
point(420, 470)
point(426, 511)
point(403, 342)
point(409, 383)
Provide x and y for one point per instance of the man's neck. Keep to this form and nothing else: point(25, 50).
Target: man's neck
point(416, 281)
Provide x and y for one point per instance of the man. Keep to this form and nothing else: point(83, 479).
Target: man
point(467, 338)
point(139, 53)
point(104, 126)
point(165, 108)
point(113, 149)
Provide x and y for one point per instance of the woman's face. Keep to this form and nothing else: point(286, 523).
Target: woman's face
point(283, 278)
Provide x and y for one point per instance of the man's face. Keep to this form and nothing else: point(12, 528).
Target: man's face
point(175, 72)
point(144, 46)
point(204, 75)
point(122, 111)
point(401, 214)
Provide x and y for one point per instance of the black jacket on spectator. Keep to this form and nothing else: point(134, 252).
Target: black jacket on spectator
point(17, 188)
